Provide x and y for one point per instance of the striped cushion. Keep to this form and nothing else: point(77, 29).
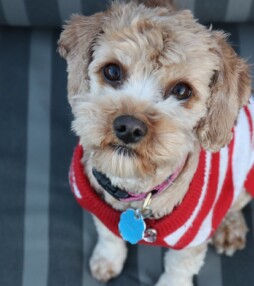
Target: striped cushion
point(45, 238)
point(53, 13)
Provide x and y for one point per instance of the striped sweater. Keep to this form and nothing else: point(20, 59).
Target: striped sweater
point(218, 180)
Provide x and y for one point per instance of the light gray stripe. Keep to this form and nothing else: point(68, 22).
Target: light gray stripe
point(149, 264)
point(67, 7)
point(89, 241)
point(15, 12)
point(210, 274)
point(238, 11)
point(36, 245)
point(185, 4)
point(246, 44)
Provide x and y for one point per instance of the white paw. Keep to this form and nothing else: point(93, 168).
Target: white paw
point(102, 269)
point(231, 235)
point(107, 261)
point(167, 280)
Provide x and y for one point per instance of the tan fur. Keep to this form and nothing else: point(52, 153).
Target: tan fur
point(156, 48)
point(77, 38)
point(231, 235)
point(230, 92)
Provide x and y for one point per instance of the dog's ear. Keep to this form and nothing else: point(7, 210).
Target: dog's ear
point(75, 45)
point(79, 29)
point(230, 90)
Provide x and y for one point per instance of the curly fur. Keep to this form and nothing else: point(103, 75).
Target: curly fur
point(156, 48)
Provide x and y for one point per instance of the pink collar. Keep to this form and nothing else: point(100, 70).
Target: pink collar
point(92, 202)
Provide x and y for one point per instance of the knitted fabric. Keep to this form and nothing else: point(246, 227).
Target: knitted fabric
point(218, 180)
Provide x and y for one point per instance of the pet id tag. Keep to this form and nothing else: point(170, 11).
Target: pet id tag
point(132, 225)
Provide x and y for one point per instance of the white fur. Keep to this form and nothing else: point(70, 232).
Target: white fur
point(181, 265)
point(109, 254)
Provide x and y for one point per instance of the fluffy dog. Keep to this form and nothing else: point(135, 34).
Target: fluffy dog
point(157, 99)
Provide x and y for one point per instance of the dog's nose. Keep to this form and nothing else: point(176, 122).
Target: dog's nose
point(129, 129)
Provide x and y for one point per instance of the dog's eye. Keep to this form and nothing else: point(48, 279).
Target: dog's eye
point(112, 72)
point(181, 91)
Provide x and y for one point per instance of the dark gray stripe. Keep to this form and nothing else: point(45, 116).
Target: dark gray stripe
point(246, 41)
point(247, 44)
point(238, 11)
point(252, 218)
point(43, 13)
point(210, 274)
point(90, 7)
point(13, 125)
point(251, 15)
point(89, 241)
point(15, 12)
point(207, 10)
point(195, 283)
point(150, 265)
point(186, 4)
point(67, 7)
point(65, 229)
point(2, 16)
point(37, 177)
point(129, 275)
point(232, 31)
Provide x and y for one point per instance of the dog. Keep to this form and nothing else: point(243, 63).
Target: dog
point(166, 148)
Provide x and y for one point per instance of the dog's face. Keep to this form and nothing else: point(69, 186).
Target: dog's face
point(146, 87)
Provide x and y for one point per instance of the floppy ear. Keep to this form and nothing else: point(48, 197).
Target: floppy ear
point(230, 90)
point(75, 45)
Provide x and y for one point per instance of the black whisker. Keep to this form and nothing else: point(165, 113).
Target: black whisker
point(123, 150)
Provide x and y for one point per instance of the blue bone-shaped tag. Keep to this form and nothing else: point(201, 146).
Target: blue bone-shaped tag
point(131, 226)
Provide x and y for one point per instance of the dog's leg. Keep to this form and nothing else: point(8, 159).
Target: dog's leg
point(231, 234)
point(181, 265)
point(109, 254)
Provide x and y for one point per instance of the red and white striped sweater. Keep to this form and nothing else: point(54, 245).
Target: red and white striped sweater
point(216, 185)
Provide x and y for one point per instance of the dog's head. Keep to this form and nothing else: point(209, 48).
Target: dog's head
point(146, 86)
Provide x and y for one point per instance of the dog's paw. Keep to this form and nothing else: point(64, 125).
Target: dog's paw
point(167, 280)
point(103, 269)
point(231, 234)
point(107, 261)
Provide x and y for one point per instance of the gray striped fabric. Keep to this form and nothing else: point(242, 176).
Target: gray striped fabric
point(36, 250)
point(45, 237)
point(53, 13)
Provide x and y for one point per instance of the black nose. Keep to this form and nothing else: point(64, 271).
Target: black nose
point(129, 129)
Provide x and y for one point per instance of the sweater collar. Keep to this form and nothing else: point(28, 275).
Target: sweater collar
point(92, 202)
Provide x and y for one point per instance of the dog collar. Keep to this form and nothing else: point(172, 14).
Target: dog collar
point(126, 196)
point(212, 191)
point(92, 202)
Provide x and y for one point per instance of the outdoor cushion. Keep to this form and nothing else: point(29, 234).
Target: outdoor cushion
point(53, 13)
point(46, 239)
